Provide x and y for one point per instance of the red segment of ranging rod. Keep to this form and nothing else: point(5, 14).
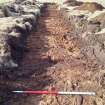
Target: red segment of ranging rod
point(37, 92)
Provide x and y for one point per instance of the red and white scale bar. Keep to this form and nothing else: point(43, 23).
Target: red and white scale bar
point(56, 93)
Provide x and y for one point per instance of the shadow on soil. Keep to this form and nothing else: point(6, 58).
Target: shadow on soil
point(29, 77)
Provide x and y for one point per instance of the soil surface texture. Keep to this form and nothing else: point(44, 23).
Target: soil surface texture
point(54, 60)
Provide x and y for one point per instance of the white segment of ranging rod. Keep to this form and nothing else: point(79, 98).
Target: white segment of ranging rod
point(76, 93)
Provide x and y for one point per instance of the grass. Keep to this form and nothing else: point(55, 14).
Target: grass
point(2, 2)
point(5, 1)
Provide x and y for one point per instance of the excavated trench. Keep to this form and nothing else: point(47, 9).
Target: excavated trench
point(54, 59)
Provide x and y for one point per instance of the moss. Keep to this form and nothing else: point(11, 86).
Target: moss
point(1, 99)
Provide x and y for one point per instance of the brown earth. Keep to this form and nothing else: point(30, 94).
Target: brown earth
point(54, 60)
point(73, 3)
point(92, 7)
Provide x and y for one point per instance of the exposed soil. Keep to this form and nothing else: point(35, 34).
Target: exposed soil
point(92, 7)
point(55, 60)
point(73, 3)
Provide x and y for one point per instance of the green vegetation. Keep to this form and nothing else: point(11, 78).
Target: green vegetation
point(4, 1)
